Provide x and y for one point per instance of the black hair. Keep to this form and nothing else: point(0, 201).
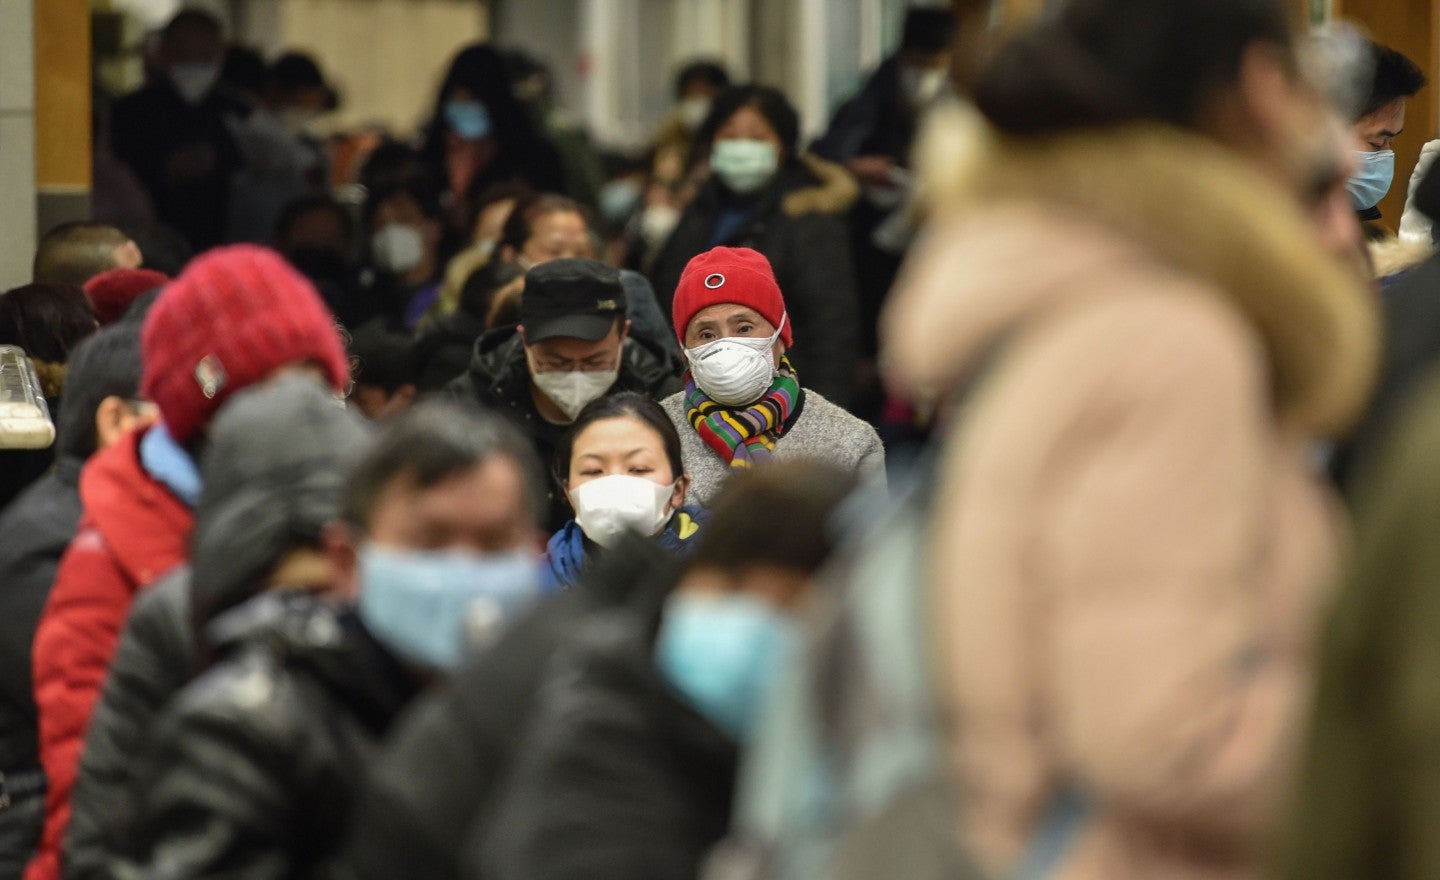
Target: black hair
point(388, 162)
point(431, 442)
point(517, 191)
point(294, 71)
point(383, 357)
point(105, 364)
point(928, 30)
point(478, 292)
point(622, 405)
point(73, 253)
point(768, 101)
point(299, 206)
point(417, 183)
point(192, 20)
point(244, 71)
point(162, 248)
point(520, 225)
point(712, 73)
point(47, 320)
point(780, 515)
point(1101, 63)
point(1395, 77)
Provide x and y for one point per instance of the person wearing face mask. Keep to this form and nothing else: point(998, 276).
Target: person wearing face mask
point(252, 767)
point(407, 247)
point(1381, 119)
point(744, 404)
point(696, 86)
point(762, 194)
point(316, 235)
point(479, 135)
point(174, 132)
point(572, 346)
point(620, 467)
point(630, 755)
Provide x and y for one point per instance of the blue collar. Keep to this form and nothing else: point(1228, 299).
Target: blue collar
point(169, 463)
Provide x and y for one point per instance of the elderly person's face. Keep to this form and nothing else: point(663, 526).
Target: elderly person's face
point(726, 320)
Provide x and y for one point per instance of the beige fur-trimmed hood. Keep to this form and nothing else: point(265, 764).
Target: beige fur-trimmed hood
point(1136, 193)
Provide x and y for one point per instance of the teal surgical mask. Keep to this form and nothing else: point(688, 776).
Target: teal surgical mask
point(744, 165)
point(469, 119)
point(723, 655)
point(427, 605)
point(1372, 181)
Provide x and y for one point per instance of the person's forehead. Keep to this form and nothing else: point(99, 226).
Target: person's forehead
point(571, 347)
point(726, 312)
point(625, 434)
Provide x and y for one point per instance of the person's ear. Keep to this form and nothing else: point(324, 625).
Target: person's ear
point(779, 351)
point(625, 330)
point(520, 331)
point(340, 545)
point(113, 419)
point(682, 488)
point(128, 256)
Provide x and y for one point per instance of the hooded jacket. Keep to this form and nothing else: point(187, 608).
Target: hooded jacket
point(253, 767)
point(132, 531)
point(1132, 545)
point(797, 222)
point(499, 379)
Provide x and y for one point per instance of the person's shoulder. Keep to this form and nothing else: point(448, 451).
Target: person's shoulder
point(821, 414)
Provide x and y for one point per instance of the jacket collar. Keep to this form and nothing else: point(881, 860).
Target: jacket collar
point(145, 527)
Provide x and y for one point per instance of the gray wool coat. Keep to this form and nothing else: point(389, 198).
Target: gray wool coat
point(823, 431)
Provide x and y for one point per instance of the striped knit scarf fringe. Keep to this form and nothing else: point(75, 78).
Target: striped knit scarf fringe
point(744, 436)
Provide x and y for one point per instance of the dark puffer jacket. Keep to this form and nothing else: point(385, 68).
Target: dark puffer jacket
point(618, 780)
point(437, 784)
point(499, 379)
point(798, 222)
point(254, 766)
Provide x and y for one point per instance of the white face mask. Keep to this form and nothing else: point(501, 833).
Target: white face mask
point(744, 165)
point(397, 247)
point(737, 370)
point(609, 507)
point(570, 391)
point(693, 111)
point(657, 222)
point(298, 122)
point(194, 80)
point(921, 85)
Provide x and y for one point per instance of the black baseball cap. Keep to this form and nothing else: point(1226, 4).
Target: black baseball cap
point(578, 299)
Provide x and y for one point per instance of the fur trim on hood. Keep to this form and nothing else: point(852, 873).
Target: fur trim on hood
point(1158, 191)
point(836, 191)
point(1392, 256)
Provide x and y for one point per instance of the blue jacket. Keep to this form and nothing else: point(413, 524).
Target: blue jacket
point(567, 552)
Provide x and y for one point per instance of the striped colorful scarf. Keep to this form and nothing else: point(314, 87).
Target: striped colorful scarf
point(745, 436)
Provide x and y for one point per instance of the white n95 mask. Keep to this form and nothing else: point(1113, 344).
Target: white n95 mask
point(737, 370)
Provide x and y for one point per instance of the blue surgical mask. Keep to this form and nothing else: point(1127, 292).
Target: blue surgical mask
point(723, 655)
point(744, 165)
point(1372, 181)
point(427, 605)
point(469, 119)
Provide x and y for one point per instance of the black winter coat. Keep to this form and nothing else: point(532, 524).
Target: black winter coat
point(254, 765)
point(156, 657)
point(810, 253)
point(34, 532)
point(437, 784)
point(618, 779)
point(499, 379)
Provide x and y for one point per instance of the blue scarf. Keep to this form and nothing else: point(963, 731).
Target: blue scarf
point(169, 463)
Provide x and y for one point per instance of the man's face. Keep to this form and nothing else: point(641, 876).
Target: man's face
point(563, 354)
point(1379, 130)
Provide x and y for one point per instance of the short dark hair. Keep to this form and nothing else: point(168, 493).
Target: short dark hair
point(106, 364)
point(192, 20)
point(73, 253)
point(779, 515)
point(622, 405)
point(383, 357)
point(417, 183)
point(310, 203)
point(520, 225)
point(433, 441)
point(928, 29)
point(47, 320)
point(1395, 77)
point(768, 101)
point(711, 73)
point(1103, 63)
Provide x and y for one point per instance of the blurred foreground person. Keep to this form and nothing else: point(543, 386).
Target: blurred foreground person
point(73, 253)
point(254, 766)
point(1132, 545)
point(764, 193)
point(743, 404)
point(628, 768)
point(237, 316)
point(272, 475)
point(103, 376)
point(1368, 796)
point(621, 470)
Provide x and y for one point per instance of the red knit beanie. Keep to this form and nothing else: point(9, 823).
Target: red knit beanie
point(233, 317)
point(112, 292)
point(729, 275)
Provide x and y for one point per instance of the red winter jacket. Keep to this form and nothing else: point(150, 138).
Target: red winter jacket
point(132, 531)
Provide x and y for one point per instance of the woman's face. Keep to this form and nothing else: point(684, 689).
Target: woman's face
point(557, 235)
point(747, 124)
point(726, 320)
point(623, 445)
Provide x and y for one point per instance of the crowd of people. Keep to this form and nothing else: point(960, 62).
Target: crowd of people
point(1027, 478)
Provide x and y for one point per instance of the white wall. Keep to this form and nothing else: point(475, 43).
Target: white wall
point(17, 141)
